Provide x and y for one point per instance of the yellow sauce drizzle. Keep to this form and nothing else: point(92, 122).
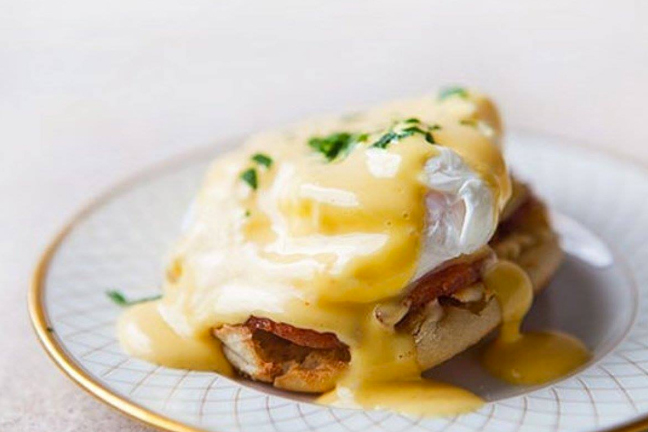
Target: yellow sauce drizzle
point(420, 397)
point(144, 334)
point(526, 357)
point(385, 374)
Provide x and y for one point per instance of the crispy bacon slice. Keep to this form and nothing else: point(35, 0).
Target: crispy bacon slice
point(444, 282)
point(298, 336)
point(439, 285)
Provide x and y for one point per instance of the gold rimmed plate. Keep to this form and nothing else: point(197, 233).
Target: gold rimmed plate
point(599, 295)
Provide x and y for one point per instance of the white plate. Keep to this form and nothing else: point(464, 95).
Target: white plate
point(599, 294)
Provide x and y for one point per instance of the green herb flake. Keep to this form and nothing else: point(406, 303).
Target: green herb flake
point(362, 137)
point(385, 140)
point(468, 122)
point(262, 159)
point(410, 131)
point(120, 299)
point(247, 213)
point(453, 91)
point(117, 297)
point(249, 176)
point(397, 134)
point(336, 144)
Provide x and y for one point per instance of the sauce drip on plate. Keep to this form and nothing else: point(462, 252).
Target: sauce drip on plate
point(386, 375)
point(144, 334)
point(526, 357)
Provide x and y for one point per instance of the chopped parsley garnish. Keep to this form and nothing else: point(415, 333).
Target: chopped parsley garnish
point(386, 139)
point(341, 143)
point(120, 299)
point(468, 122)
point(453, 91)
point(247, 213)
point(337, 144)
point(249, 176)
point(362, 137)
point(412, 130)
point(262, 159)
point(397, 133)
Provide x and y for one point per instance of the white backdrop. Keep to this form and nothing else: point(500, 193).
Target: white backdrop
point(91, 91)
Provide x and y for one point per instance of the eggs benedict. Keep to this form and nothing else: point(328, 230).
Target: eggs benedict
point(346, 255)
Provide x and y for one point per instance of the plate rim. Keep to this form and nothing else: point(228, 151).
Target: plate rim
point(57, 353)
point(36, 308)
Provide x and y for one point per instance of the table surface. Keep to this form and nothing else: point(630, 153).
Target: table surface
point(93, 92)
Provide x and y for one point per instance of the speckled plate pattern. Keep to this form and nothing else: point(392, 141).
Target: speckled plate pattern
point(600, 207)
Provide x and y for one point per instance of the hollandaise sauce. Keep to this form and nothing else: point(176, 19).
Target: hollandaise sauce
point(526, 357)
point(144, 334)
point(319, 225)
point(386, 375)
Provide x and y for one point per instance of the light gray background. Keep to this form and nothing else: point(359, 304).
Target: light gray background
point(92, 91)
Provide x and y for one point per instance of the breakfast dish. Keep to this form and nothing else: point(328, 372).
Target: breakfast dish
point(598, 295)
point(345, 256)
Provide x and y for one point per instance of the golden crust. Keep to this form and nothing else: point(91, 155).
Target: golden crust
point(265, 357)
